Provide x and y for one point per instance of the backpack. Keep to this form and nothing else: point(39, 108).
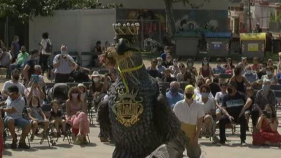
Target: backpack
point(49, 47)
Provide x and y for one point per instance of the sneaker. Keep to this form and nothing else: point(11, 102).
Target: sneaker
point(243, 143)
point(23, 146)
point(14, 144)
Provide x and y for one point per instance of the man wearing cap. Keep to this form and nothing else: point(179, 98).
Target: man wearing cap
point(173, 95)
point(234, 104)
point(190, 113)
point(13, 117)
point(63, 65)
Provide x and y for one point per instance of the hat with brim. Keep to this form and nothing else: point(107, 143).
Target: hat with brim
point(95, 74)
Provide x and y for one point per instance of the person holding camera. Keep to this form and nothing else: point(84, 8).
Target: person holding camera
point(267, 126)
point(34, 89)
point(63, 65)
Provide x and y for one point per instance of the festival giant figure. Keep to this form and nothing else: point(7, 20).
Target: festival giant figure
point(136, 116)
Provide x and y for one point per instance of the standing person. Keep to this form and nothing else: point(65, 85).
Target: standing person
point(63, 65)
point(234, 104)
point(15, 48)
point(46, 51)
point(28, 69)
point(190, 113)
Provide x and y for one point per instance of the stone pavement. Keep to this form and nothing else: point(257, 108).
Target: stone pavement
point(96, 149)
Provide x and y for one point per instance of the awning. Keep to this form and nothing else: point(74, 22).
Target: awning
point(252, 36)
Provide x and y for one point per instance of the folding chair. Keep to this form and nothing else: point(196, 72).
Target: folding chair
point(86, 59)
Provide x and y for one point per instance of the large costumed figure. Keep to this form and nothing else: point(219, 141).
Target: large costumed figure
point(136, 115)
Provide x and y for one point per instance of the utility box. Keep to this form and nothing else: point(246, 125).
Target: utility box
point(218, 44)
point(253, 44)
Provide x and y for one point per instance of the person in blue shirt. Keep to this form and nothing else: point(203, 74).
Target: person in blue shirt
point(173, 95)
point(164, 54)
point(219, 69)
point(249, 75)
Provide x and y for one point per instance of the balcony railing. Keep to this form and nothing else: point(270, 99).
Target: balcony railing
point(274, 26)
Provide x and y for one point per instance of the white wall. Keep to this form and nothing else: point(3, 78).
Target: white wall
point(159, 4)
point(261, 15)
point(78, 29)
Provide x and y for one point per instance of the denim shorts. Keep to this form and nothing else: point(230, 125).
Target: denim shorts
point(19, 122)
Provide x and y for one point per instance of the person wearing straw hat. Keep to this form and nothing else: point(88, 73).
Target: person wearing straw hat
point(190, 113)
point(97, 89)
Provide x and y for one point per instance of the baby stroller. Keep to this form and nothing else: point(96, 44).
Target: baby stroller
point(59, 92)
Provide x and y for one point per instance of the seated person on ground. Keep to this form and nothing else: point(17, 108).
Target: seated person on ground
point(37, 117)
point(76, 116)
point(173, 95)
point(267, 126)
point(56, 119)
point(13, 82)
point(209, 110)
point(13, 117)
point(234, 105)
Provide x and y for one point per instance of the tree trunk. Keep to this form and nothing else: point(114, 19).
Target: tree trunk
point(170, 20)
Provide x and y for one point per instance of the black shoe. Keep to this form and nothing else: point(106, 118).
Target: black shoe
point(14, 144)
point(23, 146)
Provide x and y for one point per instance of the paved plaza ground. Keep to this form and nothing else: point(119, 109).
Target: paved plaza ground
point(96, 149)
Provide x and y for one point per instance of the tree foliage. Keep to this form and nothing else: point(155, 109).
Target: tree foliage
point(26, 9)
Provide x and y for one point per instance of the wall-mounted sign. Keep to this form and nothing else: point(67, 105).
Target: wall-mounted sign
point(253, 47)
point(216, 45)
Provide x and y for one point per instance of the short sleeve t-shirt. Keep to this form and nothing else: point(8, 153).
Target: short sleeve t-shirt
point(234, 104)
point(219, 97)
point(58, 114)
point(10, 83)
point(22, 57)
point(209, 105)
point(18, 104)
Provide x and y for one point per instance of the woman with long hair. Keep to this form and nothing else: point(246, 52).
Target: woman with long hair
point(267, 126)
point(76, 116)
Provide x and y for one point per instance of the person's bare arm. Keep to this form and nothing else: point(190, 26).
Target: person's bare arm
point(274, 125)
point(25, 73)
point(199, 126)
point(84, 107)
point(42, 94)
point(68, 109)
point(260, 120)
point(246, 106)
point(30, 117)
point(42, 114)
point(9, 110)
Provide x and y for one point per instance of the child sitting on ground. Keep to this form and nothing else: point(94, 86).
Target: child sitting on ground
point(37, 117)
point(56, 118)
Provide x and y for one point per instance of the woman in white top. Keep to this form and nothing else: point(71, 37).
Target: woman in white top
point(45, 51)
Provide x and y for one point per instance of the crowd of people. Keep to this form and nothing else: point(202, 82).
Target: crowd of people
point(207, 100)
point(210, 100)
